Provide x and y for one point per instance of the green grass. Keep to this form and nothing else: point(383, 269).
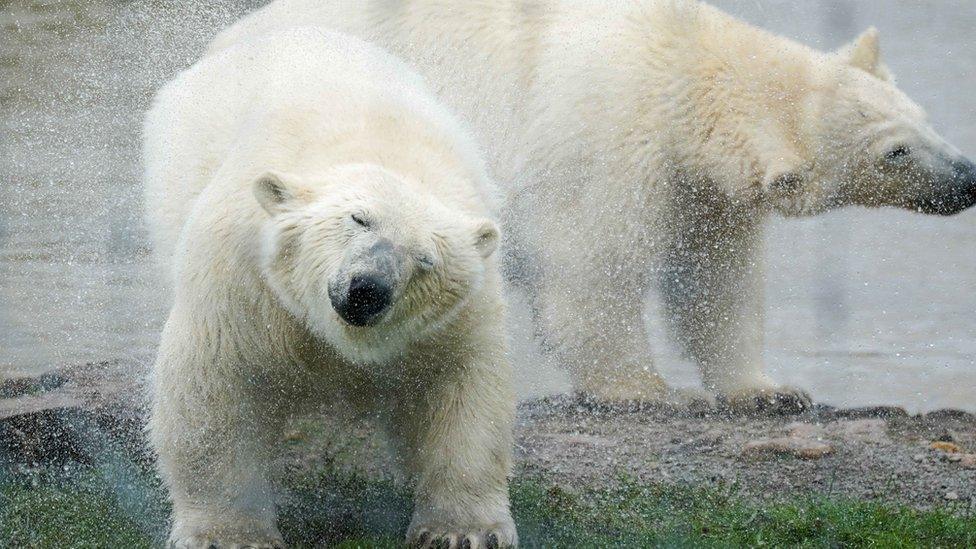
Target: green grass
point(673, 516)
point(101, 507)
point(72, 514)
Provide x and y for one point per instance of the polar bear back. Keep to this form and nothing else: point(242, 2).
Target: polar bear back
point(248, 104)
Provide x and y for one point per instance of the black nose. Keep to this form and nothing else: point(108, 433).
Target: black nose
point(957, 194)
point(366, 298)
point(965, 185)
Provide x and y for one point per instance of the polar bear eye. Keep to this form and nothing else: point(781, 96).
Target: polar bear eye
point(360, 220)
point(426, 262)
point(898, 153)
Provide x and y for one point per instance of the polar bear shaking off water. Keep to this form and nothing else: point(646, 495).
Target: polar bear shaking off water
point(651, 140)
point(329, 232)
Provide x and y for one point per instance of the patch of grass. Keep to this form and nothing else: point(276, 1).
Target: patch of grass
point(674, 516)
point(339, 509)
point(65, 514)
point(330, 508)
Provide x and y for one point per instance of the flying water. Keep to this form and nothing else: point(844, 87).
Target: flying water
point(863, 307)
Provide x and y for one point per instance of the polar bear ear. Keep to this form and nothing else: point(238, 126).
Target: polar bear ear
point(275, 193)
point(865, 53)
point(486, 237)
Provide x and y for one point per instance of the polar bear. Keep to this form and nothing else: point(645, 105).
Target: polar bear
point(648, 141)
point(330, 230)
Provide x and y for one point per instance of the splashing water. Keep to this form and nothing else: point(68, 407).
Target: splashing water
point(864, 307)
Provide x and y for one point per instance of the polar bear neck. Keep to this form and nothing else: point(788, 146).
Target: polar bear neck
point(740, 91)
point(746, 90)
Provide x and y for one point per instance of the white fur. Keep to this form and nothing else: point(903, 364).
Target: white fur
point(256, 161)
point(650, 137)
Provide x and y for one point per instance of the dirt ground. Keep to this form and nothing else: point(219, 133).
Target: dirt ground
point(870, 454)
point(881, 454)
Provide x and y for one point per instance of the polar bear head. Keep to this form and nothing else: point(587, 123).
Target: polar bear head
point(366, 260)
point(861, 141)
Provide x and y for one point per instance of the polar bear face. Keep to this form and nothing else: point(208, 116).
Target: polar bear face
point(366, 261)
point(869, 144)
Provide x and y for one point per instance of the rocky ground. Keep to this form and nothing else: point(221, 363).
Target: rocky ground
point(870, 454)
point(881, 454)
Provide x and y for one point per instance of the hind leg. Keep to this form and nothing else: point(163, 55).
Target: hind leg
point(595, 325)
point(712, 288)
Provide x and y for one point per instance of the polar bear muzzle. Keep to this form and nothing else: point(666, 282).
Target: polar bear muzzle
point(365, 288)
point(364, 300)
point(954, 194)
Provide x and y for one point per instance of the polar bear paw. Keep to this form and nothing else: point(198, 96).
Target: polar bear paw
point(772, 400)
point(213, 542)
point(492, 537)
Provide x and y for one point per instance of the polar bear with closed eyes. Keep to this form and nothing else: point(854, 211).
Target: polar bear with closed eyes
point(329, 232)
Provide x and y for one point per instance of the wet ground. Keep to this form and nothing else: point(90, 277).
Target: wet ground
point(864, 307)
point(882, 454)
point(867, 454)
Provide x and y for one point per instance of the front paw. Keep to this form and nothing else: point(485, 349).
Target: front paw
point(765, 400)
point(493, 529)
point(214, 542)
point(213, 527)
point(486, 537)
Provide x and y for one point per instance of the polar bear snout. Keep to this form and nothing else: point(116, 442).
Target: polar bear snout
point(961, 194)
point(951, 193)
point(364, 300)
point(365, 287)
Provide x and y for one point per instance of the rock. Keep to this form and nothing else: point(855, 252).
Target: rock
point(869, 412)
point(951, 496)
point(27, 386)
point(918, 457)
point(949, 413)
point(948, 435)
point(967, 461)
point(862, 430)
point(787, 446)
point(90, 387)
point(947, 447)
point(65, 415)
